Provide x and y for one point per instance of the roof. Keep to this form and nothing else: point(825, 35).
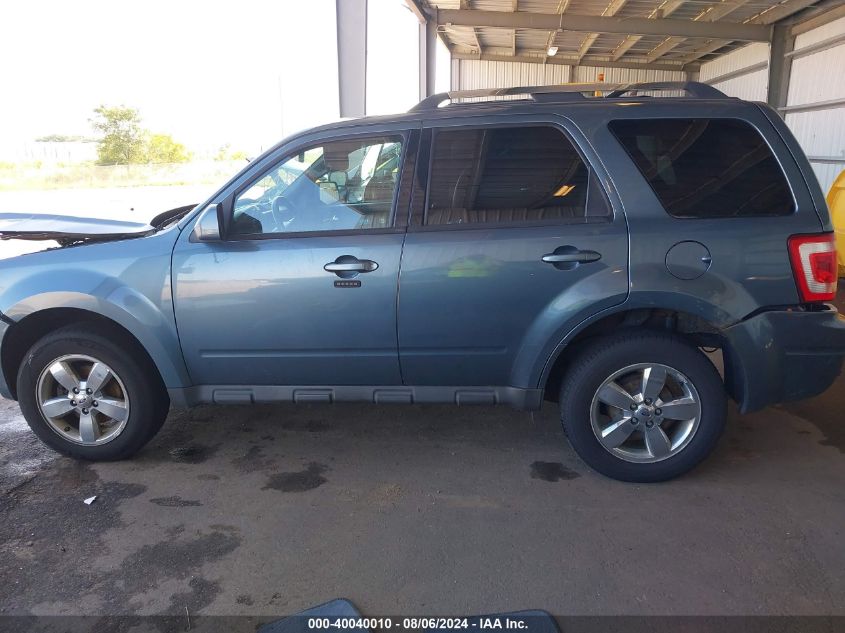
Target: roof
point(667, 34)
point(654, 96)
point(575, 92)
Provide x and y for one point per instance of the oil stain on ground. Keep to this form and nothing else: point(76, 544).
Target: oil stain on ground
point(192, 454)
point(300, 481)
point(200, 594)
point(253, 460)
point(174, 502)
point(552, 471)
point(47, 527)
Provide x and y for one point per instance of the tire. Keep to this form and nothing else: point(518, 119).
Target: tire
point(642, 442)
point(133, 401)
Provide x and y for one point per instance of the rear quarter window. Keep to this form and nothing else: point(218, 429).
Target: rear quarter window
point(707, 168)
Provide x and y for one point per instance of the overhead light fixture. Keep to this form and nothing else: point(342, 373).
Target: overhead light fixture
point(552, 51)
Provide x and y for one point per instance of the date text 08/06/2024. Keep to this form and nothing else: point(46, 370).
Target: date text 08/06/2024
point(482, 623)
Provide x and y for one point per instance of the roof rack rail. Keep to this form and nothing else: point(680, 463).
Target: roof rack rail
point(573, 91)
point(694, 89)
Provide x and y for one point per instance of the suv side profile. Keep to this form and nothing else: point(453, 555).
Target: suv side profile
point(563, 247)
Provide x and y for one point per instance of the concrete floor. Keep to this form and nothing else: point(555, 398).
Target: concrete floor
point(423, 510)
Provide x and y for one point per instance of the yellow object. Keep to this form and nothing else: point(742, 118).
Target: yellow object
point(836, 204)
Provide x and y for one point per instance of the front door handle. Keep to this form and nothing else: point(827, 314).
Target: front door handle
point(580, 257)
point(346, 264)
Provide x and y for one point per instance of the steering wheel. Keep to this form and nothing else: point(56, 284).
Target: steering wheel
point(283, 212)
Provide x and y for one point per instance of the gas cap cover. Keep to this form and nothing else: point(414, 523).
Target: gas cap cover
point(688, 260)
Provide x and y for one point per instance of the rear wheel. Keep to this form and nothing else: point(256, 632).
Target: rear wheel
point(91, 396)
point(642, 407)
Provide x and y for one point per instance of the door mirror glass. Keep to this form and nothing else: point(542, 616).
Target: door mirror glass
point(328, 192)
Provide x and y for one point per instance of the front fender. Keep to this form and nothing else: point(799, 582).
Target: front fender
point(127, 282)
point(129, 309)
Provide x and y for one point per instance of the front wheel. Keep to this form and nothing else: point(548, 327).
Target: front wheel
point(91, 396)
point(642, 407)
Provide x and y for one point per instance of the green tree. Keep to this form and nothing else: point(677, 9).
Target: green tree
point(122, 140)
point(225, 153)
point(161, 148)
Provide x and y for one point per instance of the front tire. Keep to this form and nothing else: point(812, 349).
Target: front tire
point(91, 394)
point(642, 406)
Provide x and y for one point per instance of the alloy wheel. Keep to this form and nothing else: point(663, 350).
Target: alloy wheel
point(645, 413)
point(83, 400)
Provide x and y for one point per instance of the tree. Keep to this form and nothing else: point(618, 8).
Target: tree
point(225, 153)
point(122, 140)
point(161, 148)
point(125, 142)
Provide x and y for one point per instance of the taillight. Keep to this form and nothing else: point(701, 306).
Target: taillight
point(814, 266)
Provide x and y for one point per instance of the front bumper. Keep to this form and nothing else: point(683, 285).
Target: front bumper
point(5, 392)
point(783, 355)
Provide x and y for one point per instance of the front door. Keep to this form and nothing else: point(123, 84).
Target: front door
point(302, 289)
point(512, 244)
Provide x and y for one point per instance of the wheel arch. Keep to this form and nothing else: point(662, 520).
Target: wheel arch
point(699, 331)
point(26, 330)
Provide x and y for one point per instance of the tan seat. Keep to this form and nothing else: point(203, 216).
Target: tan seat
point(503, 216)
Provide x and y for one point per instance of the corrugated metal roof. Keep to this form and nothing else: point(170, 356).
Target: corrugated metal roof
point(532, 43)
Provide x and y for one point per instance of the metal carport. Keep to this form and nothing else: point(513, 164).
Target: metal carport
point(789, 53)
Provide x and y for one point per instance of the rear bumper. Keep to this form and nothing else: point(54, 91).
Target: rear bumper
point(782, 356)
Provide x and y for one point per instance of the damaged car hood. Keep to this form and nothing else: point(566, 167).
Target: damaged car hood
point(37, 226)
point(67, 229)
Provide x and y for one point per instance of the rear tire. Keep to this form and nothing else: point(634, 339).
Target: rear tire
point(126, 406)
point(627, 424)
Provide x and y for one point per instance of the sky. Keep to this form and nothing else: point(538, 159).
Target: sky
point(242, 73)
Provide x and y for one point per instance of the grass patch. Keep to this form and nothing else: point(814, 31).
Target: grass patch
point(38, 176)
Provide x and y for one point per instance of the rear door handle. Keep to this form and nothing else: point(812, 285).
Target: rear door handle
point(581, 257)
point(357, 266)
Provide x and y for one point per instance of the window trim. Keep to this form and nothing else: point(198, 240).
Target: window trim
point(435, 130)
point(229, 208)
point(747, 123)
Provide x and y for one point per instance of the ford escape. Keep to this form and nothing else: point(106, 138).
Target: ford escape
point(553, 245)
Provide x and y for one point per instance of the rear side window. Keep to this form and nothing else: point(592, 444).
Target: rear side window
point(506, 176)
point(707, 168)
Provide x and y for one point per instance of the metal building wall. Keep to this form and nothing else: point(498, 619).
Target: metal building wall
point(471, 74)
point(626, 75)
point(815, 110)
point(468, 74)
point(743, 73)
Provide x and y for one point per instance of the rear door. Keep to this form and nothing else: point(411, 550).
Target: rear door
point(513, 241)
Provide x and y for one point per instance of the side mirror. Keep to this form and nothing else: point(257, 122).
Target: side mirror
point(207, 228)
point(329, 193)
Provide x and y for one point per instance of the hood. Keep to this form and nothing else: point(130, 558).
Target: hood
point(67, 229)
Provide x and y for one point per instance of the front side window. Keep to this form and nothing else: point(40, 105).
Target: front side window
point(338, 186)
point(706, 168)
point(505, 176)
